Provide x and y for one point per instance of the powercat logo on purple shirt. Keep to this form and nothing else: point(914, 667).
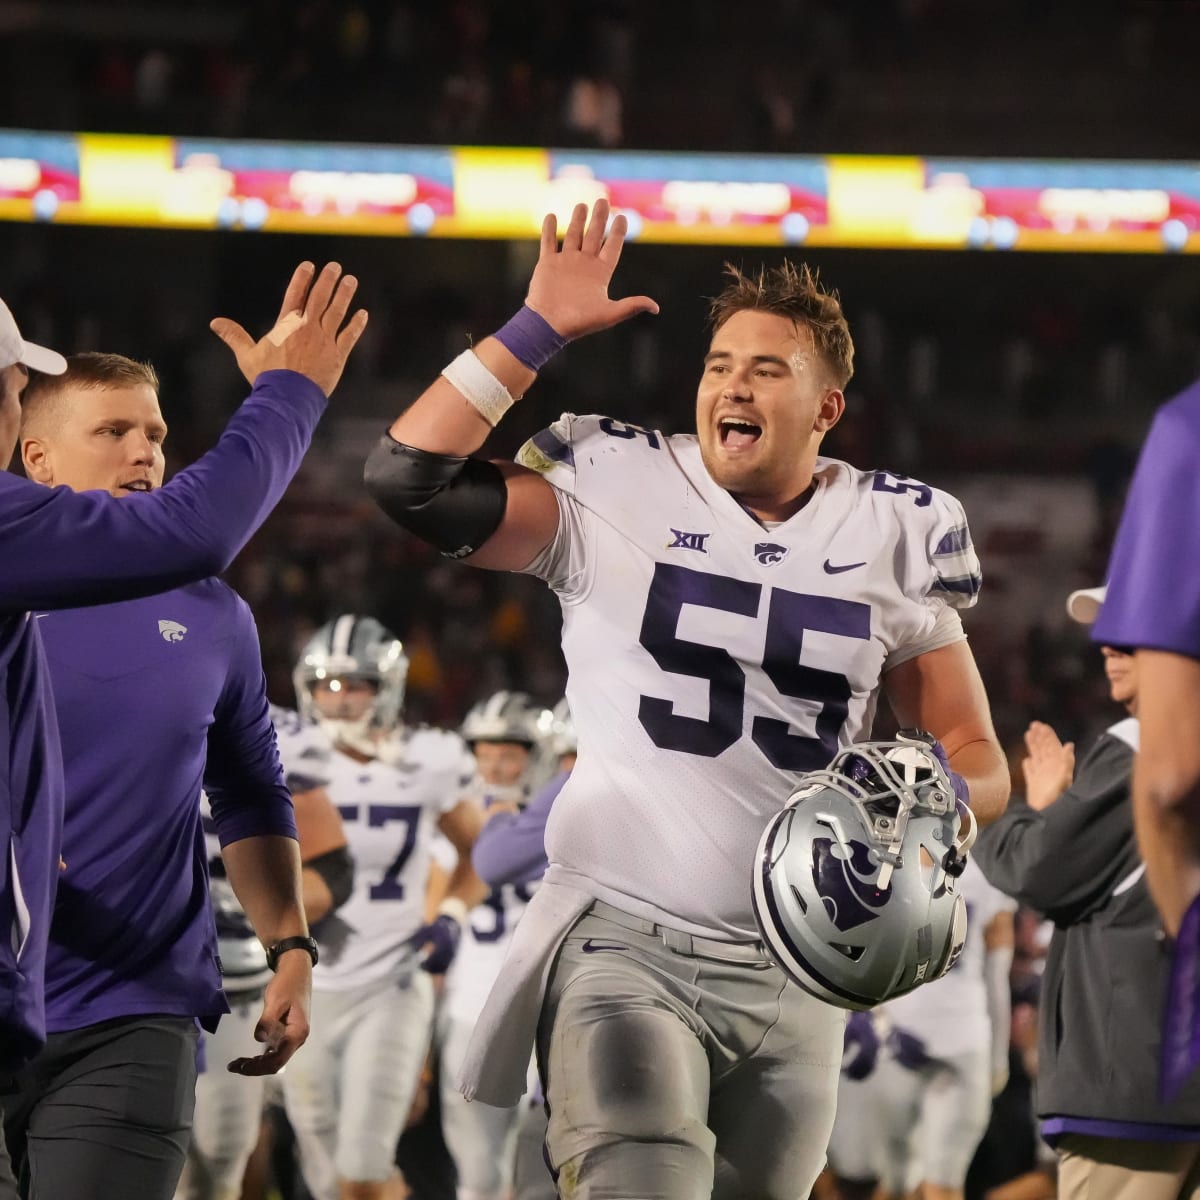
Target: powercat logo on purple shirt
point(172, 631)
point(844, 885)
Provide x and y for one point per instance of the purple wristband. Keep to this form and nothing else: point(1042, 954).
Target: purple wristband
point(530, 338)
point(957, 782)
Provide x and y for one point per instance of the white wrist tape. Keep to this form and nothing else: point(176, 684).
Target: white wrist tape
point(480, 388)
point(452, 906)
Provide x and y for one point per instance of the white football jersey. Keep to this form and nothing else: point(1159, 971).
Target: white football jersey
point(490, 925)
point(243, 959)
point(950, 1015)
point(713, 661)
point(390, 811)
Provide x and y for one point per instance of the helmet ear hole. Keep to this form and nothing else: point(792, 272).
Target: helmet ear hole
point(853, 953)
point(929, 865)
point(800, 900)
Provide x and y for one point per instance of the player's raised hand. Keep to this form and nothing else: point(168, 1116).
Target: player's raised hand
point(283, 1027)
point(311, 334)
point(569, 288)
point(1049, 765)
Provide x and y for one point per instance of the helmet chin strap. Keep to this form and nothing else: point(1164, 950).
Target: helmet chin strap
point(354, 735)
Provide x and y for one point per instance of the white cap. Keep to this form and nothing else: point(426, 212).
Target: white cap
point(15, 349)
point(1084, 605)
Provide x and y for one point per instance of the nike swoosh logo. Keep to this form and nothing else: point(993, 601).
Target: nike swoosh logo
point(590, 947)
point(830, 569)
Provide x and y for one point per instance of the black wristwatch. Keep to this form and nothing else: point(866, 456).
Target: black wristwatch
point(291, 943)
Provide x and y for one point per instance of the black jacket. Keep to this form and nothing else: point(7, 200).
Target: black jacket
point(1106, 971)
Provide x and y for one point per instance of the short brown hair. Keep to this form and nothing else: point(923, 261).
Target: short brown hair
point(795, 293)
point(40, 402)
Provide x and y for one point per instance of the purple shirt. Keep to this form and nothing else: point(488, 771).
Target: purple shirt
point(61, 549)
point(1153, 597)
point(153, 696)
point(511, 847)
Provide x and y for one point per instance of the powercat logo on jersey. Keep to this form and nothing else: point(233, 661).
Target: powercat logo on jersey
point(770, 553)
point(172, 631)
point(844, 885)
point(689, 541)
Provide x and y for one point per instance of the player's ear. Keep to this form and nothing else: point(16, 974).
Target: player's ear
point(35, 457)
point(829, 411)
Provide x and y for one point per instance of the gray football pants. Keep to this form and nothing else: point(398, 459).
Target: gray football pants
point(672, 1074)
point(228, 1116)
point(930, 1121)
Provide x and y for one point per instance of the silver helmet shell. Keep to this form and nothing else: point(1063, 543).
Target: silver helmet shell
point(508, 716)
point(354, 647)
point(855, 882)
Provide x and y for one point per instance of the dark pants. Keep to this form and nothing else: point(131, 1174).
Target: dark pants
point(8, 1185)
point(103, 1112)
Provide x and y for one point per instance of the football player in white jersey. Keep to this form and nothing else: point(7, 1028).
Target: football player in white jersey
point(506, 733)
point(228, 1114)
point(732, 606)
point(946, 1057)
point(349, 1099)
point(510, 849)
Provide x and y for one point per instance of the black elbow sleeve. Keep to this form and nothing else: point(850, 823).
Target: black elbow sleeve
point(336, 868)
point(455, 504)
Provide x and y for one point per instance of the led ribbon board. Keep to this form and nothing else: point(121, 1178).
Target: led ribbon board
point(727, 199)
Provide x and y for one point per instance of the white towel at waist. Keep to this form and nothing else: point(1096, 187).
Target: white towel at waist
point(497, 1058)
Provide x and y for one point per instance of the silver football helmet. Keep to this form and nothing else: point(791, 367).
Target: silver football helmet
point(856, 881)
point(354, 647)
point(512, 717)
point(507, 717)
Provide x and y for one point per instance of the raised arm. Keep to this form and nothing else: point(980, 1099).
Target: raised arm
point(1065, 858)
point(67, 549)
point(421, 474)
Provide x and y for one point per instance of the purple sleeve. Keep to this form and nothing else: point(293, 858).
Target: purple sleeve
point(243, 776)
point(512, 848)
point(1153, 597)
point(64, 549)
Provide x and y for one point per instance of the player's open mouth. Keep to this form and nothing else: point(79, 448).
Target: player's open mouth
point(137, 485)
point(737, 435)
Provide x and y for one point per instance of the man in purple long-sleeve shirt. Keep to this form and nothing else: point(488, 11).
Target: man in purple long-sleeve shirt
point(61, 548)
point(1153, 606)
point(152, 696)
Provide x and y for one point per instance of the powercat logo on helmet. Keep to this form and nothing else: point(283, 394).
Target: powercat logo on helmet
point(844, 884)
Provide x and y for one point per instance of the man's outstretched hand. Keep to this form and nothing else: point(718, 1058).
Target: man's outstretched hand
point(569, 288)
point(309, 336)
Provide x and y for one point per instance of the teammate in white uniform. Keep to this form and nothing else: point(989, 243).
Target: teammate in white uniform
point(506, 733)
point(732, 604)
point(229, 1107)
point(931, 1095)
point(349, 1098)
